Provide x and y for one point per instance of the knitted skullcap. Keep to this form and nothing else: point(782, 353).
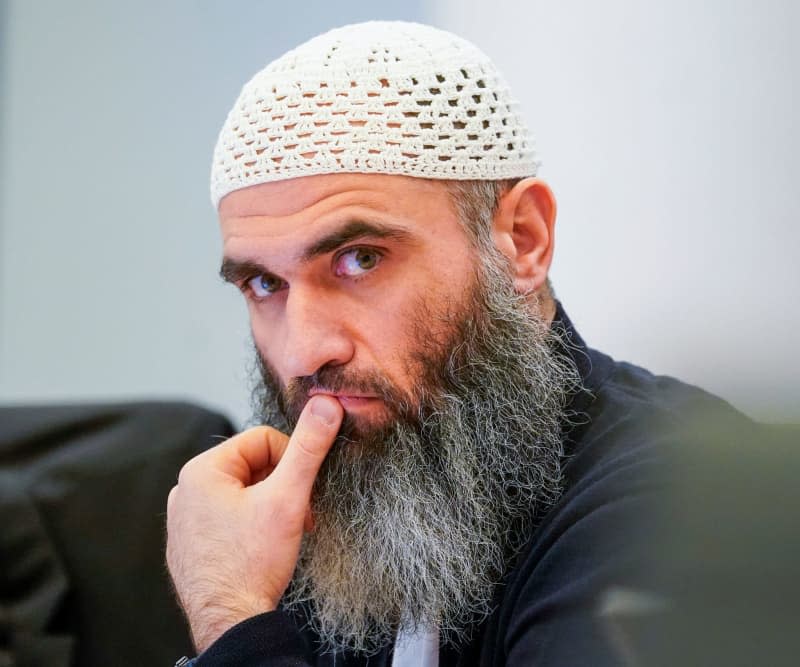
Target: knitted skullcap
point(384, 97)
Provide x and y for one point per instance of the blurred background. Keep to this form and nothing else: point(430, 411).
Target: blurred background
point(668, 131)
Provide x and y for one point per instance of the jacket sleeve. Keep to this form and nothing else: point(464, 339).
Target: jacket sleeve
point(267, 640)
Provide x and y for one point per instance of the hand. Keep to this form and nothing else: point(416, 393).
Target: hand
point(236, 517)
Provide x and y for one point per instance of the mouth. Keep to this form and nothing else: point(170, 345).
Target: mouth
point(349, 400)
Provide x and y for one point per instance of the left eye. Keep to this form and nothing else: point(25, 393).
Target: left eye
point(356, 262)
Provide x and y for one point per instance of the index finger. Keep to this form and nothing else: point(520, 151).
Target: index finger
point(308, 446)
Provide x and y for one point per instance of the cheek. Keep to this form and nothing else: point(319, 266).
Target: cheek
point(260, 328)
point(266, 338)
point(406, 333)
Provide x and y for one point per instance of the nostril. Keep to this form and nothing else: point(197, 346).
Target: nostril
point(309, 351)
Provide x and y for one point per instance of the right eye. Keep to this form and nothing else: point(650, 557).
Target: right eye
point(265, 285)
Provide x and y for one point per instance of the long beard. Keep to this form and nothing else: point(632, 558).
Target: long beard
point(417, 520)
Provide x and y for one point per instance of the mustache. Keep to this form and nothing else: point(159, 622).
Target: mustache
point(339, 380)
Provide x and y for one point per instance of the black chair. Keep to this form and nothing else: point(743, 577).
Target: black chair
point(82, 506)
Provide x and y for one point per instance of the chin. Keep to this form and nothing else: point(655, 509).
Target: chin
point(360, 435)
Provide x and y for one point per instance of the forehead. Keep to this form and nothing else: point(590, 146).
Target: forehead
point(303, 204)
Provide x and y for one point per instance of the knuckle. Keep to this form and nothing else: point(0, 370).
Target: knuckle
point(172, 499)
point(309, 444)
point(189, 470)
point(264, 431)
point(185, 474)
point(273, 435)
point(307, 447)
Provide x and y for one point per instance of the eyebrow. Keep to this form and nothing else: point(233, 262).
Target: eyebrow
point(234, 271)
point(353, 230)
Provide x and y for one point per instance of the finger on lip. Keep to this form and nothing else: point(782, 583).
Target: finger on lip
point(324, 409)
point(341, 394)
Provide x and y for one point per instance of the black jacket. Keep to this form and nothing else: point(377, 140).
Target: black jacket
point(555, 607)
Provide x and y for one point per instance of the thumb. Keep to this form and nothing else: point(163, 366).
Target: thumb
point(308, 445)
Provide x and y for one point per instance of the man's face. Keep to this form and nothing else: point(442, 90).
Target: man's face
point(368, 288)
point(336, 270)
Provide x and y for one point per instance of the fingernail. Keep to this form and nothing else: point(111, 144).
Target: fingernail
point(324, 409)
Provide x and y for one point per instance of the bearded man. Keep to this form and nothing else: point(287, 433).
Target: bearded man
point(464, 479)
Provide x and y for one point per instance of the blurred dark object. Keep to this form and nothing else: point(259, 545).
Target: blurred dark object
point(83, 493)
point(724, 584)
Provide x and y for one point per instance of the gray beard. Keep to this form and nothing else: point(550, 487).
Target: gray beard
point(417, 521)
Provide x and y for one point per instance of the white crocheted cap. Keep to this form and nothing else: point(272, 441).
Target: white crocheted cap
point(385, 97)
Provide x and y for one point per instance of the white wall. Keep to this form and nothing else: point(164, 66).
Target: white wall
point(669, 132)
point(109, 247)
point(667, 129)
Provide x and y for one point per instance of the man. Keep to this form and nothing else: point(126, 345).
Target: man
point(465, 481)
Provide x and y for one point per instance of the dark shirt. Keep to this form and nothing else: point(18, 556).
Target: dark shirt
point(551, 608)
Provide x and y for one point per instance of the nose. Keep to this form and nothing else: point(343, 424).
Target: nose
point(315, 333)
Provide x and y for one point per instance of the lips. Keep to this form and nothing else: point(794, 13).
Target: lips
point(347, 399)
point(355, 401)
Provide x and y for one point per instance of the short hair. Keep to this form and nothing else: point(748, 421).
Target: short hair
point(476, 203)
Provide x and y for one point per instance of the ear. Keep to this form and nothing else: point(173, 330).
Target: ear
point(523, 231)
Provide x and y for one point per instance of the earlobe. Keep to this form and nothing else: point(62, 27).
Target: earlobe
point(524, 226)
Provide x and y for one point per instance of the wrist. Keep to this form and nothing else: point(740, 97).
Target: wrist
point(210, 622)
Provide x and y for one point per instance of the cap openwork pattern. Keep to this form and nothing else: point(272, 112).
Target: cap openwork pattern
point(379, 97)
